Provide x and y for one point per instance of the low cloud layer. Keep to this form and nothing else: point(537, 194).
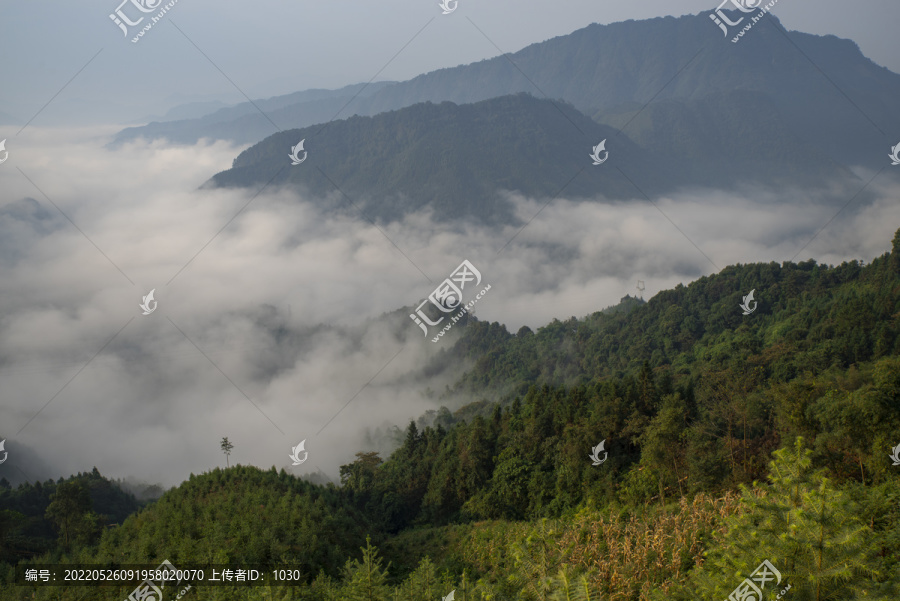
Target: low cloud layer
point(237, 347)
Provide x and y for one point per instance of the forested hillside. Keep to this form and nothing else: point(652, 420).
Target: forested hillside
point(730, 440)
point(77, 508)
point(810, 318)
point(453, 159)
point(457, 160)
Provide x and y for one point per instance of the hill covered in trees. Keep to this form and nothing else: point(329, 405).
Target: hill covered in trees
point(453, 159)
point(457, 160)
point(730, 440)
point(77, 509)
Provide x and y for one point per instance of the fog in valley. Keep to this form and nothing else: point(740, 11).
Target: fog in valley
point(283, 299)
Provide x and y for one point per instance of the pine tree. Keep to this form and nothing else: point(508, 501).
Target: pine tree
point(323, 588)
point(537, 559)
point(806, 528)
point(422, 582)
point(366, 580)
point(567, 588)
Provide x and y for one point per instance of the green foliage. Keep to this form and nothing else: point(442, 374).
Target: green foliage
point(692, 399)
point(567, 588)
point(422, 583)
point(365, 580)
point(226, 447)
point(324, 588)
point(808, 529)
point(811, 318)
point(82, 506)
point(537, 560)
point(445, 157)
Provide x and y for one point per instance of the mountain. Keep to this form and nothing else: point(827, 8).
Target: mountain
point(450, 158)
point(698, 331)
point(191, 110)
point(457, 159)
point(825, 91)
point(243, 122)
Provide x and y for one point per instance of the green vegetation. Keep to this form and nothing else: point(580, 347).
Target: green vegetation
point(226, 447)
point(448, 157)
point(732, 440)
point(37, 518)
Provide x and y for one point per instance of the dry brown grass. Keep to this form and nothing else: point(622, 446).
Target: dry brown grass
point(627, 557)
point(624, 554)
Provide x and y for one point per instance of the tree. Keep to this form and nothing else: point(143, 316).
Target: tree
point(226, 448)
point(422, 583)
point(12, 524)
point(412, 437)
point(568, 588)
point(475, 452)
point(360, 478)
point(70, 510)
point(895, 253)
point(323, 588)
point(366, 580)
point(804, 526)
point(537, 558)
point(507, 494)
point(662, 444)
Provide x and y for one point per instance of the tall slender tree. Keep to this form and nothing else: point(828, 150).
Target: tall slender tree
point(226, 448)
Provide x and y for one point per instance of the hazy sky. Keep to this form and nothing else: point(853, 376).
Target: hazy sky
point(151, 396)
point(272, 47)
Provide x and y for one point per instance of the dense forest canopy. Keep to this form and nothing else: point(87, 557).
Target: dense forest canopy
point(731, 440)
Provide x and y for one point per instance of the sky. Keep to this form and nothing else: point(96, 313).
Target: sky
point(235, 347)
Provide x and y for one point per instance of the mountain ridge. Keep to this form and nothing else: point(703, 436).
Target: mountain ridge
point(459, 160)
point(660, 58)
